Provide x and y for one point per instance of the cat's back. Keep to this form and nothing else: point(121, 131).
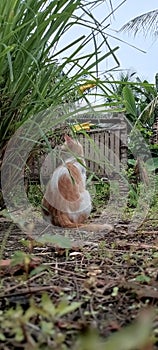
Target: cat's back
point(66, 197)
point(70, 173)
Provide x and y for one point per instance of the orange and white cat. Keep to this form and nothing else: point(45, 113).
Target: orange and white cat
point(66, 202)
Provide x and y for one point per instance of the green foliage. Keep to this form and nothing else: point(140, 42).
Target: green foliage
point(19, 258)
point(60, 241)
point(129, 101)
point(18, 326)
point(28, 75)
point(152, 164)
point(131, 337)
point(133, 195)
point(137, 98)
point(31, 76)
point(17, 323)
point(136, 186)
point(101, 195)
point(142, 278)
point(154, 202)
point(35, 194)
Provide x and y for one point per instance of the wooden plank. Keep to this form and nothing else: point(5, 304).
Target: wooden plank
point(117, 159)
point(94, 166)
point(102, 154)
point(87, 151)
point(111, 150)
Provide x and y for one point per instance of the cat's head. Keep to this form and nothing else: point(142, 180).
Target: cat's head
point(72, 145)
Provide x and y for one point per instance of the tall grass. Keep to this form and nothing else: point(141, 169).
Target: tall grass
point(31, 76)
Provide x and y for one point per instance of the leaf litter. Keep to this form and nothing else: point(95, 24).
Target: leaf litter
point(103, 284)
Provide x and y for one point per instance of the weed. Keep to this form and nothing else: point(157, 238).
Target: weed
point(35, 195)
point(19, 324)
point(99, 200)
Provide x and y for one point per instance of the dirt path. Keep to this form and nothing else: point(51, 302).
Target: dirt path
point(114, 276)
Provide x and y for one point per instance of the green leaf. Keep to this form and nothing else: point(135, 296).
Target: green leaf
point(63, 308)
point(37, 270)
point(60, 241)
point(19, 258)
point(19, 334)
point(47, 305)
point(2, 337)
point(155, 255)
point(142, 278)
point(135, 336)
point(31, 76)
point(47, 328)
point(152, 164)
point(129, 101)
point(131, 337)
point(131, 161)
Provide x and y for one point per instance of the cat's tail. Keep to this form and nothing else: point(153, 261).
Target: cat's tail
point(60, 219)
point(93, 227)
point(65, 222)
point(97, 227)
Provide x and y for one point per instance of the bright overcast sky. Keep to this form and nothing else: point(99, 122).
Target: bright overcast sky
point(145, 64)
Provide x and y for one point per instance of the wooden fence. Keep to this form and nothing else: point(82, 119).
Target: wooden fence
point(105, 149)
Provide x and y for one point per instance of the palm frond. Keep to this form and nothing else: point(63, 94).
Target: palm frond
point(146, 23)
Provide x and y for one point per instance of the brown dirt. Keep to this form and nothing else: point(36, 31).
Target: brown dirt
point(114, 275)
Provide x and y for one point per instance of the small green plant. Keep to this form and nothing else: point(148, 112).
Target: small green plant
point(39, 328)
point(102, 191)
point(17, 325)
point(133, 196)
point(35, 195)
point(142, 278)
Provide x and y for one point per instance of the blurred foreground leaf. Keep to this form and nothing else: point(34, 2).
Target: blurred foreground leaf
point(131, 337)
point(60, 241)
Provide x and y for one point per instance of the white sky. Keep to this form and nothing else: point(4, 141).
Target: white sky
point(145, 64)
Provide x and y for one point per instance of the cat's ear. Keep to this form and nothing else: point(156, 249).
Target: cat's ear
point(68, 139)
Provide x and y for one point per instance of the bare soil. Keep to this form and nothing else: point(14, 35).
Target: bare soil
point(114, 276)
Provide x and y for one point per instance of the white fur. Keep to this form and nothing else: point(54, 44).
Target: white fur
point(61, 203)
point(84, 208)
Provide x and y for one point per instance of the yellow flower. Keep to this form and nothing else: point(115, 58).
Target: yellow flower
point(82, 88)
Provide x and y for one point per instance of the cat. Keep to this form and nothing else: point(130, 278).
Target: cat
point(66, 202)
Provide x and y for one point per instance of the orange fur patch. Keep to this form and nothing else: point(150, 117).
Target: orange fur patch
point(62, 199)
point(70, 186)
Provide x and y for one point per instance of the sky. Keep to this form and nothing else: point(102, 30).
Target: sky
point(132, 59)
point(145, 64)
